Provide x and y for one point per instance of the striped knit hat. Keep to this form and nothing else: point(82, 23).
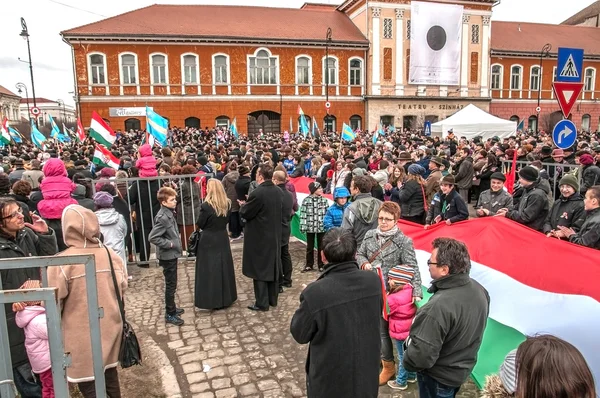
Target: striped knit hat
point(508, 372)
point(401, 274)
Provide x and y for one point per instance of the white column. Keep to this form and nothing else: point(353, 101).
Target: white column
point(485, 57)
point(376, 52)
point(399, 52)
point(464, 63)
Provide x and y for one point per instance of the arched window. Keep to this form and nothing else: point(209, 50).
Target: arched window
point(222, 121)
point(262, 67)
point(515, 118)
point(585, 122)
point(330, 122)
point(532, 123)
point(303, 67)
point(534, 78)
point(515, 77)
point(190, 69)
point(193, 122)
point(589, 79)
point(356, 122)
point(356, 72)
point(129, 70)
point(97, 68)
point(497, 77)
point(132, 124)
point(158, 68)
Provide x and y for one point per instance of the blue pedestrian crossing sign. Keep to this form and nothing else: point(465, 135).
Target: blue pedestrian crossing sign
point(427, 129)
point(570, 65)
point(564, 134)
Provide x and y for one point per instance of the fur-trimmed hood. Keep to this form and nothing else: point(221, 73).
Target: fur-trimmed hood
point(493, 388)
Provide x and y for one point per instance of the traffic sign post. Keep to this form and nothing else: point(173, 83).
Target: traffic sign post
point(327, 105)
point(566, 95)
point(35, 111)
point(570, 65)
point(564, 134)
point(427, 129)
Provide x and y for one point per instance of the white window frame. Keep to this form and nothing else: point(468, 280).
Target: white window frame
point(136, 71)
point(337, 74)
point(152, 77)
point(362, 75)
point(223, 117)
point(214, 73)
point(531, 79)
point(248, 73)
point(501, 77)
point(593, 85)
point(89, 62)
point(520, 88)
point(197, 74)
point(589, 118)
point(310, 72)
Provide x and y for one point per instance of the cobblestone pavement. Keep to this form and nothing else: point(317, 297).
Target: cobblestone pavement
point(250, 354)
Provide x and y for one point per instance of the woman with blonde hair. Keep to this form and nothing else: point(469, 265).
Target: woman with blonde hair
point(215, 277)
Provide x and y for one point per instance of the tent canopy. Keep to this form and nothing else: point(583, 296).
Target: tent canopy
point(471, 122)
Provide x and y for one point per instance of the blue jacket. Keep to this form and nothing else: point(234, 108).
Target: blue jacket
point(334, 216)
point(289, 165)
point(307, 166)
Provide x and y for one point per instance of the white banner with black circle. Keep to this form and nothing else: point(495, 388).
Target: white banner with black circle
point(435, 44)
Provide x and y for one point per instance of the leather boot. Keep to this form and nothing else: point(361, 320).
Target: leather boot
point(387, 372)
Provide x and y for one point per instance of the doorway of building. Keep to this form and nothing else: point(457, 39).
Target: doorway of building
point(193, 122)
point(409, 122)
point(132, 124)
point(267, 121)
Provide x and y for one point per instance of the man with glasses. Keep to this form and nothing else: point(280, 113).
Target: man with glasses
point(447, 331)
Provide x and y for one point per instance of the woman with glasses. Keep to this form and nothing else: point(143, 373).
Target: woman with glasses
point(21, 239)
point(382, 249)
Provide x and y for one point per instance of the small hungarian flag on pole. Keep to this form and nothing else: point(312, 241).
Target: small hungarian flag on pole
point(103, 157)
point(101, 132)
point(80, 131)
point(4, 134)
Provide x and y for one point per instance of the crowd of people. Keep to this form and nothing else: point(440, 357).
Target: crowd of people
point(208, 189)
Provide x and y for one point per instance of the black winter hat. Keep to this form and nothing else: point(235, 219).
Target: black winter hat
point(313, 186)
point(529, 173)
point(498, 176)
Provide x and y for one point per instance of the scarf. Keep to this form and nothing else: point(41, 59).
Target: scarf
point(382, 237)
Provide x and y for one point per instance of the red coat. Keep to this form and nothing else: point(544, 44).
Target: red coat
point(402, 312)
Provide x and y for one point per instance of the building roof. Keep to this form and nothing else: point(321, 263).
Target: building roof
point(38, 100)
point(590, 11)
point(6, 92)
point(530, 38)
point(347, 4)
point(215, 22)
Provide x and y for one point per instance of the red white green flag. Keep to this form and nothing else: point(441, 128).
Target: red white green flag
point(101, 132)
point(80, 131)
point(103, 157)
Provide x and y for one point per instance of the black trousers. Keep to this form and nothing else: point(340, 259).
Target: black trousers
point(286, 266)
point(170, 273)
point(111, 378)
point(266, 293)
point(310, 249)
point(235, 224)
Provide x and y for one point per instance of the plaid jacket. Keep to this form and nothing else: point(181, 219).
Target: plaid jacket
point(312, 213)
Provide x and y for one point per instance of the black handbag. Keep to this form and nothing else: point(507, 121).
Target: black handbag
point(193, 241)
point(129, 353)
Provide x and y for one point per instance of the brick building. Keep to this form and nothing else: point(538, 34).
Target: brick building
point(197, 69)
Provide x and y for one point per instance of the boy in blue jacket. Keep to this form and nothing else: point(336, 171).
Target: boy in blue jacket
point(335, 213)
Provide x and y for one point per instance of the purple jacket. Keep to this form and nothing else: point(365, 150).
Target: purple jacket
point(56, 189)
point(402, 312)
point(33, 321)
point(290, 187)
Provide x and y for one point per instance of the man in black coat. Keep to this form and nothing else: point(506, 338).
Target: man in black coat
point(533, 206)
point(287, 211)
point(262, 239)
point(339, 315)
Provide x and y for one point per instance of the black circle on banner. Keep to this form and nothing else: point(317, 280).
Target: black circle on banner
point(436, 38)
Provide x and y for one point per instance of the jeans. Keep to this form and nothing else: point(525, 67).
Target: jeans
point(387, 349)
point(286, 266)
point(25, 383)
point(235, 224)
point(430, 388)
point(310, 249)
point(111, 379)
point(402, 375)
point(170, 273)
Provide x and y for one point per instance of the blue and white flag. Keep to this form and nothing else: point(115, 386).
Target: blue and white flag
point(315, 128)
point(234, 129)
point(157, 126)
point(36, 136)
point(15, 135)
point(55, 130)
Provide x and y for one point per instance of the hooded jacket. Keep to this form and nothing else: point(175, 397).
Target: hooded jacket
point(56, 189)
point(533, 207)
point(589, 234)
point(402, 312)
point(361, 215)
point(146, 163)
point(567, 212)
point(229, 185)
point(335, 213)
point(82, 235)
point(114, 231)
point(34, 323)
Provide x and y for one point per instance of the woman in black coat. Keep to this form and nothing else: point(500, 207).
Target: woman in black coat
point(485, 175)
point(215, 277)
point(410, 196)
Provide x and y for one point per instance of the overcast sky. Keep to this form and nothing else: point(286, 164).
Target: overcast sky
point(52, 66)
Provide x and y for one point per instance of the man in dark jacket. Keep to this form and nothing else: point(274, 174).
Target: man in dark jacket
point(262, 239)
point(493, 199)
point(287, 211)
point(337, 314)
point(567, 210)
point(19, 239)
point(447, 332)
point(464, 173)
point(451, 208)
point(533, 206)
point(590, 173)
point(243, 183)
point(589, 234)
point(361, 215)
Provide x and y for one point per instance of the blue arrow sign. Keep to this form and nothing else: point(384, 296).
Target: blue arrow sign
point(564, 134)
point(570, 65)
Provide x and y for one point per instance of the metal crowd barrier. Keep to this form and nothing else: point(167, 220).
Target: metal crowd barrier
point(59, 358)
point(555, 172)
point(137, 201)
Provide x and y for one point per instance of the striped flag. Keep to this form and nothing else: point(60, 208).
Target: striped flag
point(103, 157)
point(80, 131)
point(234, 129)
point(315, 128)
point(303, 128)
point(157, 126)
point(4, 134)
point(55, 130)
point(521, 125)
point(101, 132)
point(15, 135)
point(347, 133)
point(37, 137)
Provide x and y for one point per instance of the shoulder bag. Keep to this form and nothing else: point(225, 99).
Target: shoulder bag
point(193, 240)
point(425, 204)
point(129, 353)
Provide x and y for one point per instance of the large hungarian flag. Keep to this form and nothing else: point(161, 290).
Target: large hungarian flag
point(103, 157)
point(101, 132)
point(537, 285)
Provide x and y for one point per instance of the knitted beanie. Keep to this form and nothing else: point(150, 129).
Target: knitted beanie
point(529, 173)
point(570, 180)
point(103, 199)
point(401, 274)
point(508, 372)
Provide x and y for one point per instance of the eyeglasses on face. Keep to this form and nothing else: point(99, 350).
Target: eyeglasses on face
point(384, 219)
point(14, 214)
point(429, 262)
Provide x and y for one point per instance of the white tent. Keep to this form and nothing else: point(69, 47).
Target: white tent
point(472, 122)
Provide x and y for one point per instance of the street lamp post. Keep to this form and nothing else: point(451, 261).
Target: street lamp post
point(64, 113)
point(25, 35)
point(327, 42)
point(545, 52)
point(20, 87)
